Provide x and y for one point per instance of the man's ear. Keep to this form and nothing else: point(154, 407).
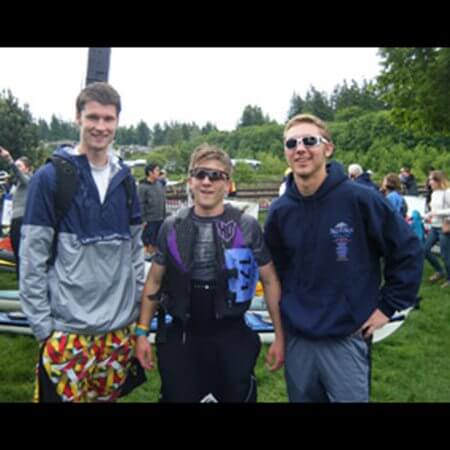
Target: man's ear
point(329, 150)
point(78, 119)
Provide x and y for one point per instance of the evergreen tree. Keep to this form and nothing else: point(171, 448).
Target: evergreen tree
point(158, 135)
point(296, 106)
point(252, 115)
point(209, 127)
point(316, 103)
point(43, 130)
point(142, 133)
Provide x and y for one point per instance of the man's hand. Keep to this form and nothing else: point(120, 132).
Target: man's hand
point(375, 321)
point(275, 355)
point(144, 353)
point(5, 154)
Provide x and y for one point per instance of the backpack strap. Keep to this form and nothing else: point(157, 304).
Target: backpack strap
point(66, 186)
point(128, 185)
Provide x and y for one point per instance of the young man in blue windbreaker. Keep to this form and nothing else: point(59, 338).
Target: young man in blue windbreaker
point(82, 274)
point(327, 236)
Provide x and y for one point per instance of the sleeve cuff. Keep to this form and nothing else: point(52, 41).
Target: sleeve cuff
point(386, 309)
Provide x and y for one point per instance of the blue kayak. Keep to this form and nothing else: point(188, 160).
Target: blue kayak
point(14, 322)
point(10, 294)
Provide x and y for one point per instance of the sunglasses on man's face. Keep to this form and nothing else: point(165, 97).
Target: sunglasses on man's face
point(213, 175)
point(307, 141)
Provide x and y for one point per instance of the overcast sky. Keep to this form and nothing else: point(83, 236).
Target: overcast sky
point(183, 84)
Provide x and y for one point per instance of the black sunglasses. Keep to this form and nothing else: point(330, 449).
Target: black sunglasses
point(307, 141)
point(213, 175)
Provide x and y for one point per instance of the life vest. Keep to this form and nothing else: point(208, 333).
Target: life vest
point(236, 268)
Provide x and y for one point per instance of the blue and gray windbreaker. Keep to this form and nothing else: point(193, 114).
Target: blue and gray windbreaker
point(96, 280)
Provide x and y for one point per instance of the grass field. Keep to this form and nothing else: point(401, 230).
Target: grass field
point(412, 365)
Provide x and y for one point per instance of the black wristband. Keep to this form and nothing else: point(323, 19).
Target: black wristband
point(154, 297)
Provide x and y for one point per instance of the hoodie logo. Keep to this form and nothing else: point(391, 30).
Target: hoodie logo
point(341, 235)
point(226, 230)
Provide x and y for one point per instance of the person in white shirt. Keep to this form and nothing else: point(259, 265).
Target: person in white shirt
point(438, 214)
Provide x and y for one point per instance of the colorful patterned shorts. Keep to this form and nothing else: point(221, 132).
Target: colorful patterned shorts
point(81, 368)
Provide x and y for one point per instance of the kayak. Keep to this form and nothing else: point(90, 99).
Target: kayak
point(7, 261)
point(9, 300)
point(14, 322)
point(257, 318)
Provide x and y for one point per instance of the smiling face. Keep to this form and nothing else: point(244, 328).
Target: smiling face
point(208, 194)
point(307, 162)
point(98, 124)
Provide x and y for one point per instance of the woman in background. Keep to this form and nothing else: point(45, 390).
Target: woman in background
point(21, 170)
point(439, 211)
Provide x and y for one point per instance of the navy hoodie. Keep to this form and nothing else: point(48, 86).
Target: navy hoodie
point(327, 248)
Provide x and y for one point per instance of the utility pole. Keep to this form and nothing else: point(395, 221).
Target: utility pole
point(98, 64)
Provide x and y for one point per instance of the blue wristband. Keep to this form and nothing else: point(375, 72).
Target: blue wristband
point(138, 331)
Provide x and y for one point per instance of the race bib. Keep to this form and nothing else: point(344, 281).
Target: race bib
point(243, 272)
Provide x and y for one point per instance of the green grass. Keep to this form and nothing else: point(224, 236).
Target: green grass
point(412, 365)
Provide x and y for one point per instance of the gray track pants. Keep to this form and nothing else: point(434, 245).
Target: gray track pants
point(327, 370)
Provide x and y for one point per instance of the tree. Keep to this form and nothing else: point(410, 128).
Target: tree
point(208, 128)
point(61, 130)
point(18, 132)
point(43, 130)
point(126, 136)
point(296, 106)
point(142, 133)
point(415, 82)
point(252, 115)
point(173, 133)
point(317, 104)
point(158, 135)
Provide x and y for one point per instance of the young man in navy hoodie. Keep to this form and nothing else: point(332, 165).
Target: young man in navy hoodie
point(327, 236)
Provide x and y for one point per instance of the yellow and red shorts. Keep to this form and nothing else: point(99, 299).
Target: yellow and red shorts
point(84, 368)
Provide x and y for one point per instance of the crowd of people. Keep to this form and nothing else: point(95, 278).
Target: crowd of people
point(432, 227)
point(336, 259)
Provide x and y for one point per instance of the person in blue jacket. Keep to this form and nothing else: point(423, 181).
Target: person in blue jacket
point(391, 188)
point(82, 274)
point(327, 236)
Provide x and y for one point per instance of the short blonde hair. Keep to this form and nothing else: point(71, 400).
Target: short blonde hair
point(206, 152)
point(308, 118)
